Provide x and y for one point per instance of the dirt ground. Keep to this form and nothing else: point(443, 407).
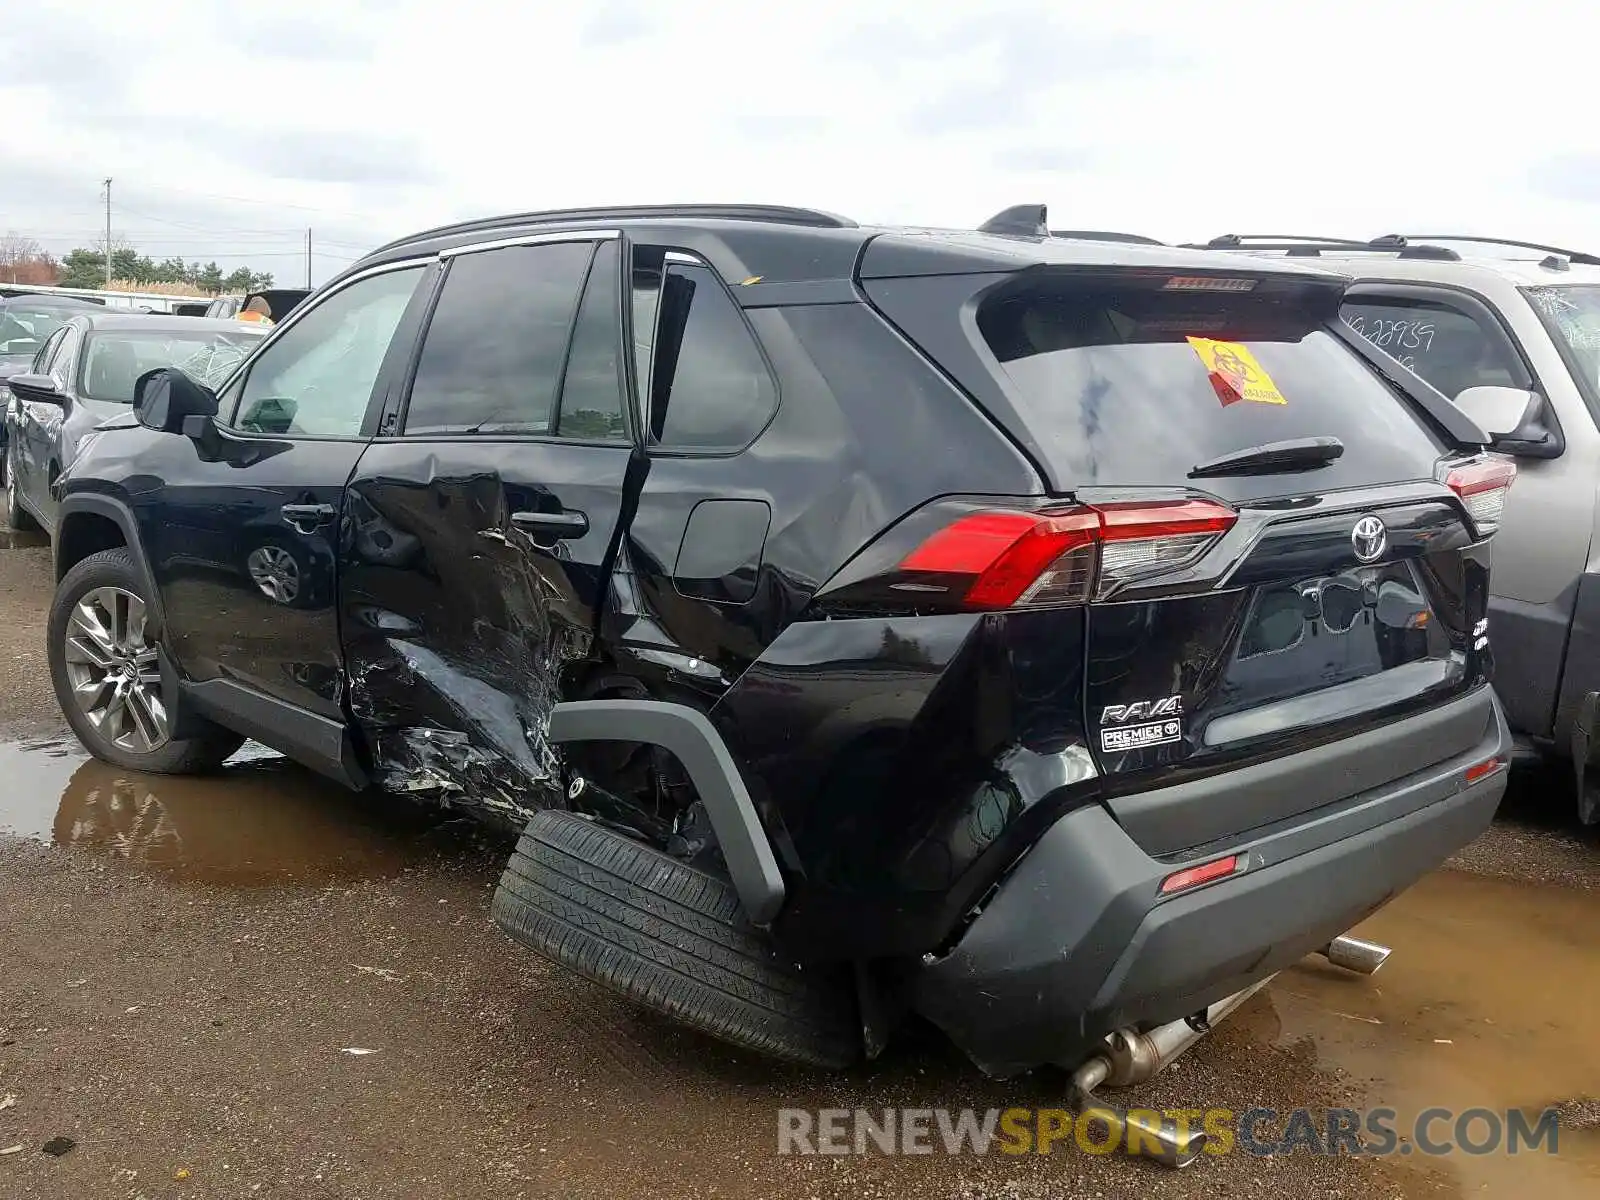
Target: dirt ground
point(186, 967)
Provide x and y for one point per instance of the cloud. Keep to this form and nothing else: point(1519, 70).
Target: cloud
point(301, 39)
point(617, 22)
point(1045, 160)
point(1024, 61)
point(1571, 176)
point(226, 127)
point(350, 156)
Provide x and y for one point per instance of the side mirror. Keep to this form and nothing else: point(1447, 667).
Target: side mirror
point(1513, 418)
point(36, 389)
point(165, 399)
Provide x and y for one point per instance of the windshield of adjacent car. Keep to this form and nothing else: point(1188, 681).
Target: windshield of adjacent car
point(23, 329)
point(114, 360)
point(1571, 313)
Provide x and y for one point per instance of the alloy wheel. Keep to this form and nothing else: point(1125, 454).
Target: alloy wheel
point(275, 572)
point(114, 672)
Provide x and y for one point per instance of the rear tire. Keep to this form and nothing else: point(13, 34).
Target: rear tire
point(92, 674)
point(671, 938)
point(17, 517)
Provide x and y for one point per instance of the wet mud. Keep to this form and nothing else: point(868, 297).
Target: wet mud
point(519, 1079)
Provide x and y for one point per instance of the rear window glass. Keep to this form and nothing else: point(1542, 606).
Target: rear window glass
point(1126, 384)
point(1442, 344)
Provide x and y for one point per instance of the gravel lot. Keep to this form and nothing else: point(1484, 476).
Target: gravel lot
point(187, 964)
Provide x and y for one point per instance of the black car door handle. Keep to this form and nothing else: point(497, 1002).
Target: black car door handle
point(308, 515)
point(570, 523)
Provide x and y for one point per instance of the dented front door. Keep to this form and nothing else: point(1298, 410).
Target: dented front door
point(483, 521)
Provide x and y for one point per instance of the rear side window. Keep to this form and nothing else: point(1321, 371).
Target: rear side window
point(1449, 348)
point(1127, 383)
point(707, 382)
point(492, 357)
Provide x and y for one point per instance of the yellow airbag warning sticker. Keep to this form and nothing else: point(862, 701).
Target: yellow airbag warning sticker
point(1235, 373)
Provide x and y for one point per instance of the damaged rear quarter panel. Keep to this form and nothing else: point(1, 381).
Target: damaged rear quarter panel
point(456, 625)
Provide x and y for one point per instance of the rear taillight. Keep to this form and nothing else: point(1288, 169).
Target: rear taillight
point(1008, 558)
point(1482, 486)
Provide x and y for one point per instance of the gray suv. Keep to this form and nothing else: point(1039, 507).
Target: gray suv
point(1511, 332)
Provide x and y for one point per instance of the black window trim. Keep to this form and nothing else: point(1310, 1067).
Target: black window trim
point(674, 254)
point(393, 421)
point(240, 373)
point(56, 336)
point(67, 356)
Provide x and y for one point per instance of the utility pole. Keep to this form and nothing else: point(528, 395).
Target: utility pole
point(308, 258)
point(108, 234)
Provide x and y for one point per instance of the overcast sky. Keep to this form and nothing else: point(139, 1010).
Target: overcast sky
point(229, 128)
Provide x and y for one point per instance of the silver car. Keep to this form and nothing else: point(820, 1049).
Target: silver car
point(1511, 332)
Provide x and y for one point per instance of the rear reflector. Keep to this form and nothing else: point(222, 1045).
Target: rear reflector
point(1482, 486)
point(1484, 769)
point(1191, 877)
point(1012, 558)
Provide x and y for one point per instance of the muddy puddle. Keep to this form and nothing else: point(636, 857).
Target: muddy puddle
point(1488, 1002)
point(260, 820)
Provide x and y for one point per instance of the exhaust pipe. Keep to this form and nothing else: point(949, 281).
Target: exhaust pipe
point(1131, 1057)
point(1353, 954)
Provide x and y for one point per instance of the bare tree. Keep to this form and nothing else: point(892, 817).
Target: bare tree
point(18, 252)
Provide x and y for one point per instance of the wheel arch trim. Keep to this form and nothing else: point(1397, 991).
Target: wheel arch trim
point(694, 740)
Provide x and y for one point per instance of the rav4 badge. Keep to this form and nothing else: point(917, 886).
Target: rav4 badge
point(1141, 724)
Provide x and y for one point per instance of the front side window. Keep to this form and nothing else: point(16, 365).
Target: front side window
point(493, 355)
point(114, 360)
point(1449, 348)
point(708, 385)
point(316, 380)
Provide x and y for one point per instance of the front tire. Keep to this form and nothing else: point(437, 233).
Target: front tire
point(670, 937)
point(107, 674)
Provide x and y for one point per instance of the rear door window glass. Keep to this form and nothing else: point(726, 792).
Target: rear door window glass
point(493, 355)
point(1449, 348)
point(1125, 383)
point(708, 384)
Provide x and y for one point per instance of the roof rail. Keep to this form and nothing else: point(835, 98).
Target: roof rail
point(774, 213)
point(1103, 235)
point(1308, 247)
point(1577, 256)
point(1234, 241)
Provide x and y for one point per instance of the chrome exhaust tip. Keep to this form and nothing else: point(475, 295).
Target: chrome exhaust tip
point(1354, 954)
point(1131, 1057)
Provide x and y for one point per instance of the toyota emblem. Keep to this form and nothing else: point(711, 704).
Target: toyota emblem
point(1369, 539)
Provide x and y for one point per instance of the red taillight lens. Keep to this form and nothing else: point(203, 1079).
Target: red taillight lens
point(1482, 486)
point(1012, 558)
point(1192, 877)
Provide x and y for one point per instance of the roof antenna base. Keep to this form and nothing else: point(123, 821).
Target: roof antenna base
point(1020, 220)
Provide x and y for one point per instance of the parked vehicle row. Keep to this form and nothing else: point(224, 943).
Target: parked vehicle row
point(1050, 636)
point(83, 372)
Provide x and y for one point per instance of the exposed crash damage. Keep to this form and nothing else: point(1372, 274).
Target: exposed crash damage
point(809, 723)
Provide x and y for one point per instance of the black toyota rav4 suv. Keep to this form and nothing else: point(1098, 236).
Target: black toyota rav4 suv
point(1045, 635)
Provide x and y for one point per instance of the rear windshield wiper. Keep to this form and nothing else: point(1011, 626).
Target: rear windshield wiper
point(1296, 454)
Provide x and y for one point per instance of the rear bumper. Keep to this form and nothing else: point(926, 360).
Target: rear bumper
point(1078, 941)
